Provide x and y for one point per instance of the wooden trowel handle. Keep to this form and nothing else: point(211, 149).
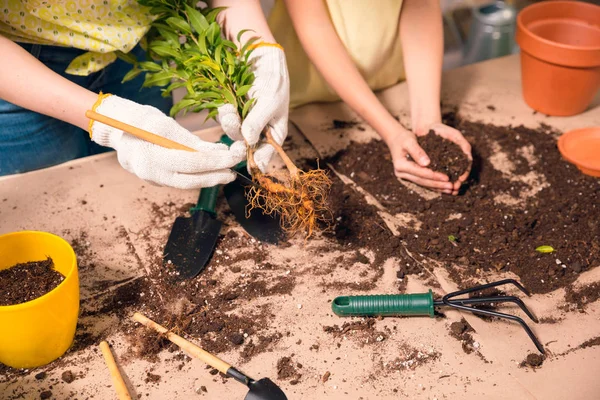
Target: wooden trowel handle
point(185, 345)
point(137, 132)
point(113, 369)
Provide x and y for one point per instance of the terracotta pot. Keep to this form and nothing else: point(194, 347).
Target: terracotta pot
point(560, 55)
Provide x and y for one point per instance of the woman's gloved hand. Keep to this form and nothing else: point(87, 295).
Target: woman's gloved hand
point(210, 165)
point(271, 89)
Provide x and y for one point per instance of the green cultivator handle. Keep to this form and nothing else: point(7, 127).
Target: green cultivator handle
point(385, 305)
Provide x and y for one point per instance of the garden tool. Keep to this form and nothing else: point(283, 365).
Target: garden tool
point(117, 379)
point(424, 304)
point(263, 389)
point(193, 239)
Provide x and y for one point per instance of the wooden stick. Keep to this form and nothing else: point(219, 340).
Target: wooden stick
point(187, 346)
point(137, 132)
point(117, 379)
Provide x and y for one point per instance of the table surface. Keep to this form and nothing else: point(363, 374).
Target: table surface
point(92, 200)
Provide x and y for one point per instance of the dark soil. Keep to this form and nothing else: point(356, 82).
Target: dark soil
point(287, 369)
point(462, 330)
point(446, 156)
point(28, 281)
point(533, 360)
point(488, 235)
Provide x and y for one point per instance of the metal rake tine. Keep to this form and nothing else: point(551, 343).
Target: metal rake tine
point(499, 299)
point(530, 333)
point(490, 285)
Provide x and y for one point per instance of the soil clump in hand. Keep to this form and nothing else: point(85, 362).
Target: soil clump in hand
point(446, 156)
point(28, 281)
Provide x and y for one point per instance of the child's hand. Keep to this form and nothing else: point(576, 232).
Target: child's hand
point(454, 135)
point(405, 143)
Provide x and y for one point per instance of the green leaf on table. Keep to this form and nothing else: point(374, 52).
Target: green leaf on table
point(544, 249)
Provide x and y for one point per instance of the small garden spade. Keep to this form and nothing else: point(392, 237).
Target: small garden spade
point(262, 389)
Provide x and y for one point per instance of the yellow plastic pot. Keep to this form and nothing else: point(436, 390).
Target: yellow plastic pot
point(39, 331)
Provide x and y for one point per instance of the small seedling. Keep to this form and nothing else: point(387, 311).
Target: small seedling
point(453, 240)
point(544, 249)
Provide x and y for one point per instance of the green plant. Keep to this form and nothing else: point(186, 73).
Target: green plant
point(187, 50)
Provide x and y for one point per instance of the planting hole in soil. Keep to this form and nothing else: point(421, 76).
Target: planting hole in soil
point(28, 281)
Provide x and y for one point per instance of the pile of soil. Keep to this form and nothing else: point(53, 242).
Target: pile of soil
point(462, 331)
point(520, 195)
point(411, 358)
point(362, 331)
point(28, 281)
point(446, 156)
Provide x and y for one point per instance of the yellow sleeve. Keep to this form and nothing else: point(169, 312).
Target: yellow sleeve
point(370, 35)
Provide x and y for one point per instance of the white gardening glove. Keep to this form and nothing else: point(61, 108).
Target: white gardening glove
point(271, 89)
point(210, 165)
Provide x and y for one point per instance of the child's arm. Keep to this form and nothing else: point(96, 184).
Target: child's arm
point(421, 33)
point(328, 54)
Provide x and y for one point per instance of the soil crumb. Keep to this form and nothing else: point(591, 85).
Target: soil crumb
point(68, 376)
point(446, 157)
point(287, 369)
point(28, 281)
point(533, 360)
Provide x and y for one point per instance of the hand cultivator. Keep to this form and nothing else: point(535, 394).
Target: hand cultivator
point(424, 304)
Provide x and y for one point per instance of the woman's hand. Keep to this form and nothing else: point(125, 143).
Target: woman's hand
point(404, 143)
point(208, 166)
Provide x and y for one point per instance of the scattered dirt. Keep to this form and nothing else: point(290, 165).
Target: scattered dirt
point(411, 358)
point(28, 281)
point(520, 195)
point(584, 295)
point(362, 331)
point(446, 157)
point(152, 378)
point(287, 369)
point(325, 377)
point(46, 394)
point(461, 330)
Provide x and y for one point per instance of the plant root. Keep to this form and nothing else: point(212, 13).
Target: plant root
point(300, 201)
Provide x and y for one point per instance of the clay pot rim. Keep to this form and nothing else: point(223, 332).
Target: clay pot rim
point(525, 30)
point(574, 159)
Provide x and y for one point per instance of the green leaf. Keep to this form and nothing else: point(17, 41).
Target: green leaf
point(230, 44)
point(246, 108)
point(169, 35)
point(150, 66)
point(212, 114)
point(248, 43)
point(218, 54)
point(127, 57)
point(179, 24)
point(240, 33)
point(211, 16)
point(544, 249)
point(180, 105)
point(202, 42)
point(164, 50)
point(230, 98)
point(131, 75)
point(452, 238)
point(242, 90)
point(213, 33)
point(158, 79)
point(196, 18)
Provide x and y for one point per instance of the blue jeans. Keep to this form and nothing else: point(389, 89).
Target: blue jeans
point(30, 141)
